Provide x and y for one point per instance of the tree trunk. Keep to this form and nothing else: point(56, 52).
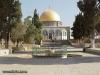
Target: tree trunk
point(93, 40)
point(84, 47)
point(7, 41)
point(17, 45)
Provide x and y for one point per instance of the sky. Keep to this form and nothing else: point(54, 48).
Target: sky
point(67, 9)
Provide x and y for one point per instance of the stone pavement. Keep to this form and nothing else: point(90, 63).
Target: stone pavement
point(84, 64)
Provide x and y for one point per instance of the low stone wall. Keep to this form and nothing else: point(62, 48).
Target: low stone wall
point(93, 50)
point(4, 52)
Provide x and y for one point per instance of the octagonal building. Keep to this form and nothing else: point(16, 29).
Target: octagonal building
point(53, 28)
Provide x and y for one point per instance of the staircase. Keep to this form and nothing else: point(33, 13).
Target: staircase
point(55, 43)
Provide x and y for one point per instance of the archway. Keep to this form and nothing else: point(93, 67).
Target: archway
point(51, 34)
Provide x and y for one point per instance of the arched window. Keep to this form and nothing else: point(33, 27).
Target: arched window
point(64, 32)
point(51, 32)
point(58, 33)
point(45, 32)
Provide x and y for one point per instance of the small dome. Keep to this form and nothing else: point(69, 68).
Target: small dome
point(49, 15)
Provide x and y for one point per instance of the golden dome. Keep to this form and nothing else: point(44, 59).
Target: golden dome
point(49, 15)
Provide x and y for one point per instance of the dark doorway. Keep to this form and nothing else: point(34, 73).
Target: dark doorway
point(50, 36)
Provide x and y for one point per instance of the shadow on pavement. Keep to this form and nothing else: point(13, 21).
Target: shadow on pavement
point(48, 60)
point(93, 52)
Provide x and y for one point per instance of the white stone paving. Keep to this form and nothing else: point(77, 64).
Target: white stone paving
point(88, 64)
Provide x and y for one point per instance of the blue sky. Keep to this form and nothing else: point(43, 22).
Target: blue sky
point(67, 9)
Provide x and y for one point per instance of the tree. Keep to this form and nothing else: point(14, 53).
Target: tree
point(98, 28)
point(6, 7)
point(38, 25)
point(78, 27)
point(90, 10)
point(30, 32)
point(99, 1)
point(28, 21)
point(17, 25)
point(17, 33)
point(35, 20)
point(9, 14)
point(33, 32)
point(38, 38)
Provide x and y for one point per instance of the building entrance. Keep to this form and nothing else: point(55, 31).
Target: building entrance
point(50, 36)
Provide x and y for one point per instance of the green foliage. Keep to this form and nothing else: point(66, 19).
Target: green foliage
point(28, 21)
point(38, 38)
point(17, 33)
point(17, 11)
point(17, 29)
point(37, 24)
point(98, 28)
point(35, 20)
point(10, 13)
point(29, 36)
point(78, 27)
point(33, 32)
point(89, 9)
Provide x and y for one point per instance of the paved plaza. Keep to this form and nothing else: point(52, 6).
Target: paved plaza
point(81, 64)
